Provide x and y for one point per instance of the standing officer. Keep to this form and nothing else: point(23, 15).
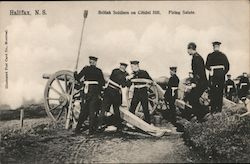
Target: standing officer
point(218, 66)
point(198, 83)
point(243, 86)
point(93, 83)
point(171, 94)
point(140, 90)
point(112, 95)
point(229, 88)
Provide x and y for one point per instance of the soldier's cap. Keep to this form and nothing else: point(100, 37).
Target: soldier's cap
point(173, 68)
point(244, 73)
point(228, 75)
point(190, 72)
point(134, 62)
point(216, 43)
point(192, 46)
point(124, 64)
point(93, 58)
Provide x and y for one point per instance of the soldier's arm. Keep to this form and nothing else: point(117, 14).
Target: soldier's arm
point(101, 79)
point(118, 77)
point(200, 67)
point(178, 81)
point(124, 81)
point(147, 76)
point(226, 65)
point(234, 87)
point(208, 64)
point(80, 74)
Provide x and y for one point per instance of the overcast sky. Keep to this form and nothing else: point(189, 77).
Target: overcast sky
point(46, 44)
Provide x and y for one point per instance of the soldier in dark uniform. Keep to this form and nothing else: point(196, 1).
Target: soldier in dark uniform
point(218, 65)
point(140, 91)
point(93, 83)
point(171, 94)
point(198, 83)
point(243, 86)
point(112, 95)
point(229, 89)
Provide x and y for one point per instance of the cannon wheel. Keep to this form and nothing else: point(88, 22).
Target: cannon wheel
point(58, 96)
point(152, 104)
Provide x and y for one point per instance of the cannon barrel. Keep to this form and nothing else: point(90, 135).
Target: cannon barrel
point(47, 76)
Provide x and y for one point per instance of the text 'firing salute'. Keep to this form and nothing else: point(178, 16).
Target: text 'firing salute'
point(93, 84)
point(218, 66)
point(112, 95)
point(140, 90)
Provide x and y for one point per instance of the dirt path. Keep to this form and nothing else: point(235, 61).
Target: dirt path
point(61, 146)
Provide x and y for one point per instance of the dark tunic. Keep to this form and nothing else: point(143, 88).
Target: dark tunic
point(173, 82)
point(198, 69)
point(217, 81)
point(243, 91)
point(119, 77)
point(218, 58)
point(141, 74)
point(92, 73)
point(228, 83)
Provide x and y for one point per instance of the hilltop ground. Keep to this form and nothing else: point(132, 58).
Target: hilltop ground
point(222, 138)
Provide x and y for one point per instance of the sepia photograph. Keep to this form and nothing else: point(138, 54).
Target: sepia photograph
point(125, 81)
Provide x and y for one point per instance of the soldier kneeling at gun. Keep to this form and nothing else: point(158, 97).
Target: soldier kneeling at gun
point(113, 97)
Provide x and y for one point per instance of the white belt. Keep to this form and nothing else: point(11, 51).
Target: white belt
point(113, 84)
point(211, 72)
point(242, 84)
point(87, 83)
point(173, 90)
point(145, 83)
point(141, 85)
point(229, 87)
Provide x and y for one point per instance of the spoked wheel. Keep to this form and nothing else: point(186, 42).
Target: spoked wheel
point(153, 98)
point(61, 97)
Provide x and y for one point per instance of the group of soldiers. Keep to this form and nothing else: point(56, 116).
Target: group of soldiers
point(237, 91)
point(94, 84)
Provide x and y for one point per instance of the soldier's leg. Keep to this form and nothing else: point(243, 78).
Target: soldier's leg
point(144, 103)
point(93, 108)
point(172, 110)
point(220, 98)
point(216, 99)
point(117, 101)
point(106, 104)
point(212, 96)
point(118, 120)
point(134, 103)
point(84, 113)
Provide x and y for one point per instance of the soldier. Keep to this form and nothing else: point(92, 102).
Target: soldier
point(171, 94)
point(229, 88)
point(112, 95)
point(198, 83)
point(243, 86)
point(93, 83)
point(218, 66)
point(140, 91)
